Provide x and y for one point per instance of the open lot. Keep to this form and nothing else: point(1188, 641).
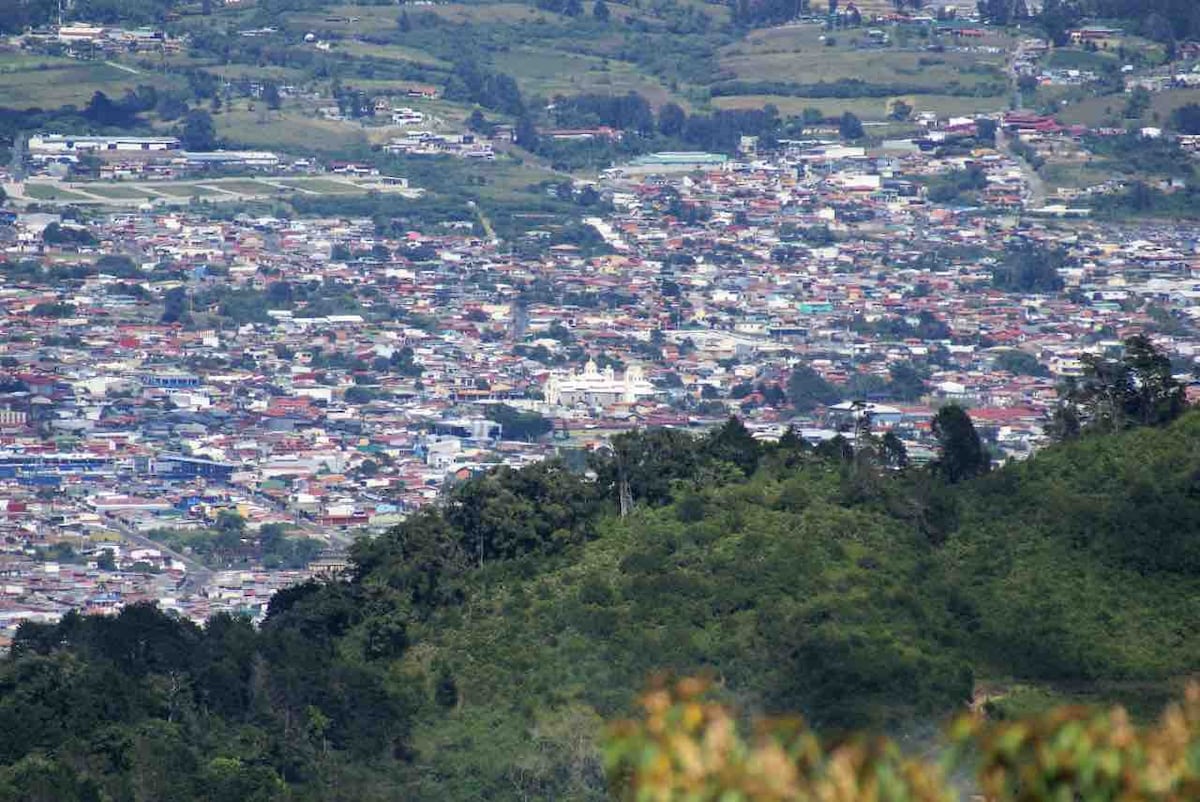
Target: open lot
point(173, 190)
point(866, 108)
point(1108, 109)
point(796, 54)
point(320, 186)
point(117, 192)
point(47, 82)
point(361, 49)
point(546, 72)
point(284, 130)
point(50, 192)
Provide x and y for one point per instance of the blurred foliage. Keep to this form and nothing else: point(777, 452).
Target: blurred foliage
point(687, 747)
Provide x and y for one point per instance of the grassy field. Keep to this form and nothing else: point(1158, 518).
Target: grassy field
point(285, 130)
point(866, 108)
point(46, 82)
point(1073, 175)
point(117, 192)
point(49, 192)
point(1072, 59)
point(796, 54)
point(180, 190)
point(348, 20)
point(1107, 110)
point(548, 73)
point(389, 52)
point(321, 186)
point(283, 75)
point(243, 186)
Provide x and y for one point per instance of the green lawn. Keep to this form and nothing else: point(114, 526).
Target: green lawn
point(180, 190)
point(44, 82)
point(244, 186)
point(1108, 109)
point(390, 53)
point(258, 73)
point(795, 54)
point(1074, 175)
point(323, 186)
point(116, 191)
point(49, 192)
point(287, 131)
point(866, 108)
point(548, 72)
point(1071, 59)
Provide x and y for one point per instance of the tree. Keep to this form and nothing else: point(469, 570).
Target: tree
point(1138, 103)
point(733, 443)
point(229, 522)
point(901, 110)
point(1029, 267)
point(1058, 17)
point(404, 362)
point(907, 382)
point(176, 306)
point(271, 95)
point(1064, 424)
point(962, 455)
point(105, 560)
point(198, 131)
point(525, 133)
point(997, 12)
point(893, 451)
point(985, 130)
point(1137, 390)
point(808, 390)
point(3, 196)
point(600, 11)
point(518, 425)
point(1186, 119)
point(1020, 363)
point(850, 127)
point(671, 119)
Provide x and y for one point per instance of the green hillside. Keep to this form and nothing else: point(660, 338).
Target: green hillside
point(477, 649)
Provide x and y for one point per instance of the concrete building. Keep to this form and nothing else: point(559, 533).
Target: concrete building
point(594, 387)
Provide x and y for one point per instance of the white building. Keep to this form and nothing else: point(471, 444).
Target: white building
point(50, 144)
point(593, 387)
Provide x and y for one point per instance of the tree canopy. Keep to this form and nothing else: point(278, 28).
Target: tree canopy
point(477, 647)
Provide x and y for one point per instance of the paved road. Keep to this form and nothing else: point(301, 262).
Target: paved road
point(1033, 181)
point(198, 575)
point(334, 537)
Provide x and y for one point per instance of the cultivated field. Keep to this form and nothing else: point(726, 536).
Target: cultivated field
point(547, 73)
point(796, 54)
point(866, 108)
point(285, 130)
point(47, 82)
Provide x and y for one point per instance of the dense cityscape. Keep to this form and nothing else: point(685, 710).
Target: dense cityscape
point(313, 376)
point(270, 337)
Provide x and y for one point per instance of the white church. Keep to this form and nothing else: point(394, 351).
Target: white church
point(596, 388)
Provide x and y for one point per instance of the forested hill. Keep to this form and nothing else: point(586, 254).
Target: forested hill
point(477, 649)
